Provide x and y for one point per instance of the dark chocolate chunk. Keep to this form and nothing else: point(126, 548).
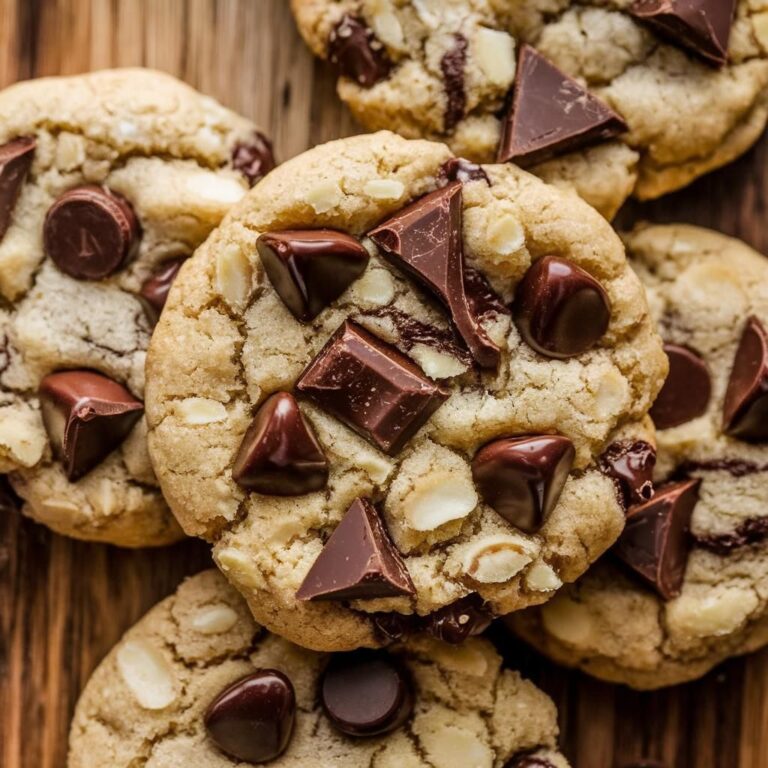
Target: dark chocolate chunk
point(311, 268)
point(452, 66)
point(356, 53)
point(252, 720)
point(90, 232)
point(551, 114)
point(254, 158)
point(701, 26)
point(752, 531)
point(483, 300)
point(459, 169)
point(745, 410)
point(464, 618)
point(366, 693)
point(686, 391)
point(358, 561)
point(280, 454)
point(425, 240)
point(155, 289)
point(522, 477)
point(371, 387)
point(87, 416)
point(630, 464)
point(391, 627)
point(15, 161)
point(656, 541)
point(560, 310)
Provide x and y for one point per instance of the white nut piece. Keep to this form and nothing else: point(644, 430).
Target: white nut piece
point(385, 23)
point(542, 577)
point(195, 411)
point(239, 567)
point(437, 364)
point(711, 614)
point(214, 619)
point(146, 672)
point(498, 558)
point(506, 235)
point(375, 288)
point(438, 498)
point(453, 740)
point(568, 621)
point(215, 188)
point(324, 196)
point(384, 189)
point(495, 55)
point(22, 438)
point(234, 276)
point(70, 151)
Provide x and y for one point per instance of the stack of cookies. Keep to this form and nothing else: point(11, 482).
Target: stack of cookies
point(403, 385)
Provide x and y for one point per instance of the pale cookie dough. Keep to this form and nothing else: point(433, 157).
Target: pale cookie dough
point(241, 344)
point(702, 288)
point(169, 151)
point(685, 117)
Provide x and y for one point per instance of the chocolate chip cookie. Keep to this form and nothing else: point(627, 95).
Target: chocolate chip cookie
point(609, 97)
point(376, 438)
point(686, 585)
point(107, 183)
point(198, 682)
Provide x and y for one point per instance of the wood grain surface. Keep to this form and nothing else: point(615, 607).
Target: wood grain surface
point(63, 604)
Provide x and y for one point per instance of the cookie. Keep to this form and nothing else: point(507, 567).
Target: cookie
point(107, 182)
point(198, 682)
point(687, 584)
point(349, 349)
point(610, 98)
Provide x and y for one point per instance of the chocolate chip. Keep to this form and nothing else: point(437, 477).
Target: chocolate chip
point(464, 618)
point(15, 161)
point(359, 561)
point(252, 720)
point(280, 454)
point(522, 477)
point(254, 158)
point(655, 542)
point(452, 66)
point(356, 53)
point(560, 310)
point(87, 416)
point(551, 114)
point(630, 464)
point(425, 239)
point(309, 269)
point(156, 287)
point(371, 387)
point(90, 233)
point(701, 26)
point(686, 391)
point(745, 409)
point(366, 693)
point(459, 169)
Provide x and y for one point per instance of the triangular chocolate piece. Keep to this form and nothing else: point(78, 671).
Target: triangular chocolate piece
point(359, 561)
point(15, 161)
point(552, 113)
point(280, 454)
point(656, 541)
point(630, 465)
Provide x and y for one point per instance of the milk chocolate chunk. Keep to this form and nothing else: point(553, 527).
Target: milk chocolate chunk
point(560, 310)
point(630, 464)
point(686, 391)
point(87, 416)
point(656, 541)
point(15, 161)
point(90, 232)
point(356, 53)
point(372, 387)
point(155, 289)
point(452, 66)
point(358, 561)
point(701, 26)
point(464, 618)
point(366, 693)
point(254, 158)
point(309, 269)
point(551, 113)
point(280, 453)
point(252, 720)
point(425, 240)
point(745, 410)
point(522, 477)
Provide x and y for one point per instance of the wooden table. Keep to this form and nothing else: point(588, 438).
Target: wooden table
point(63, 604)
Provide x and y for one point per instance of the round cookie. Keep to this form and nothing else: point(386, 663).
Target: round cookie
point(151, 700)
point(448, 70)
point(335, 461)
point(107, 182)
point(658, 614)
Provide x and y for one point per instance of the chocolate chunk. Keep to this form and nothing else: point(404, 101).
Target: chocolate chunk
point(254, 158)
point(630, 465)
point(464, 618)
point(280, 454)
point(358, 561)
point(701, 26)
point(745, 410)
point(483, 300)
point(686, 391)
point(391, 627)
point(90, 233)
point(560, 310)
point(656, 541)
point(459, 169)
point(87, 416)
point(752, 531)
point(311, 268)
point(452, 66)
point(366, 693)
point(15, 161)
point(155, 289)
point(522, 477)
point(252, 720)
point(551, 114)
point(425, 240)
point(371, 387)
point(356, 53)
point(529, 761)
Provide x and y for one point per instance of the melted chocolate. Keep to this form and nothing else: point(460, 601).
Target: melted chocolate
point(452, 66)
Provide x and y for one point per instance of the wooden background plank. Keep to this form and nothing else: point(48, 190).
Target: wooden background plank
point(63, 604)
